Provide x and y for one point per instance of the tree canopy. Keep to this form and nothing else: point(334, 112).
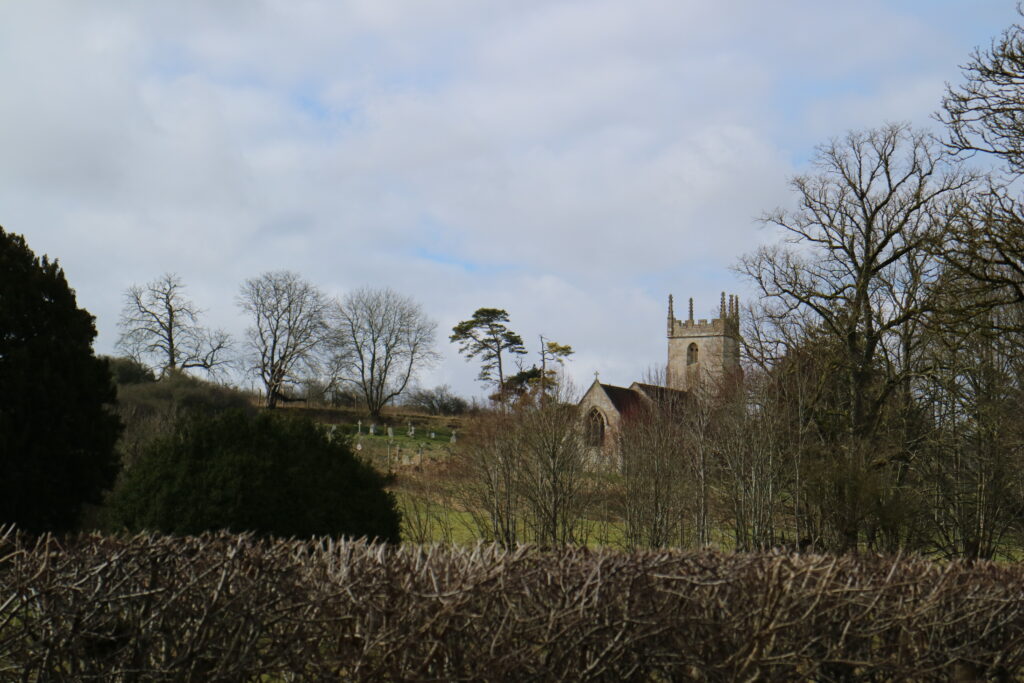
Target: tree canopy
point(56, 434)
point(486, 336)
point(160, 325)
point(379, 340)
point(289, 326)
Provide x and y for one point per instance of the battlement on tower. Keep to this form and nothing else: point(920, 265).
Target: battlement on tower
point(728, 322)
point(703, 351)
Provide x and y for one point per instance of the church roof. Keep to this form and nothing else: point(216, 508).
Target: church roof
point(660, 394)
point(626, 401)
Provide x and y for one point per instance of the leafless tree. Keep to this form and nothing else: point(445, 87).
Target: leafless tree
point(983, 115)
point(659, 484)
point(485, 474)
point(860, 269)
point(288, 328)
point(974, 472)
point(523, 472)
point(555, 485)
point(861, 239)
point(160, 327)
point(752, 467)
point(379, 340)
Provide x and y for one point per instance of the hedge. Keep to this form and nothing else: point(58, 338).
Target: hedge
point(224, 607)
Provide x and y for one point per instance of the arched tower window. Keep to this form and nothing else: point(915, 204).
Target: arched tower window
point(595, 429)
point(691, 354)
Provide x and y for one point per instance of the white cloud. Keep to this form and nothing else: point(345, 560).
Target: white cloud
point(570, 161)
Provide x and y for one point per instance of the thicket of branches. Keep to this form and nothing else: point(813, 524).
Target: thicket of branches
point(228, 608)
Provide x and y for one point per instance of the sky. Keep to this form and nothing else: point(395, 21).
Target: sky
point(572, 162)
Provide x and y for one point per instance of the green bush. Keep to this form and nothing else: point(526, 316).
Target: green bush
point(126, 370)
point(266, 473)
point(150, 409)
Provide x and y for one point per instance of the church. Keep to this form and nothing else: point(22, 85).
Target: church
point(700, 353)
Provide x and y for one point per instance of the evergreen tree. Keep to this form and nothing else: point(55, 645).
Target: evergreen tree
point(486, 335)
point(56, 434)
point(269, 474)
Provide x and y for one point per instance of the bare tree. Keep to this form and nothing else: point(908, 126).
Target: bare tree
point(160, 327)
point(860, 273)
point(751, 467)
point(288, 328)
point(522, 473)
point(555, 486)
point(983, 114)
point(380, 339)
point(486, 465)
point(659, 483)
point(974, 472)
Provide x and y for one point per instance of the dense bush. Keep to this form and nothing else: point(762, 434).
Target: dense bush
point(126, 370)
point(437, 401)
point(149, 409)
point(265, 473)
point(56, 433)
point(178, 391)
point(224, 608)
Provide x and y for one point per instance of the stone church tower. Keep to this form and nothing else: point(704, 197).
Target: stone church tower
point(703, 351)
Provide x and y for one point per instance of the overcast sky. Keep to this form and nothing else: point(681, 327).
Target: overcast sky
point(570, 162)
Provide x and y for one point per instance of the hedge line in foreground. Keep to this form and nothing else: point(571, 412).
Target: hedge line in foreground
point(224, 607)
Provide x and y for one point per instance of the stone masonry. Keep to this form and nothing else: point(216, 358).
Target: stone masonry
point(703, 351)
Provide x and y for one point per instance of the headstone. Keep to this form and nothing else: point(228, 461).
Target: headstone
point(432, 435)
point(453, 439)
point(391, 432)
point(359, 445)
point(373, 428)
point(359, 428)
point(412, 431)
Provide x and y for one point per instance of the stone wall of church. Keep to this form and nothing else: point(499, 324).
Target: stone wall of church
point(597, 399)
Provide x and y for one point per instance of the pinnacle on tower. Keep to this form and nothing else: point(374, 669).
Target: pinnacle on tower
point(721, 313)
point(671, 313)
point(691, 309)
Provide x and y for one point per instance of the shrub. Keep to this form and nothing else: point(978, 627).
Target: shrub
point(126, 370)
point(150, 409)
point(437, 401)
point(265, 473)
point(226, 608)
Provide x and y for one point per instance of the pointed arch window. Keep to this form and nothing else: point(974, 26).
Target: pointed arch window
point(691, 354)
point(595, 428)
